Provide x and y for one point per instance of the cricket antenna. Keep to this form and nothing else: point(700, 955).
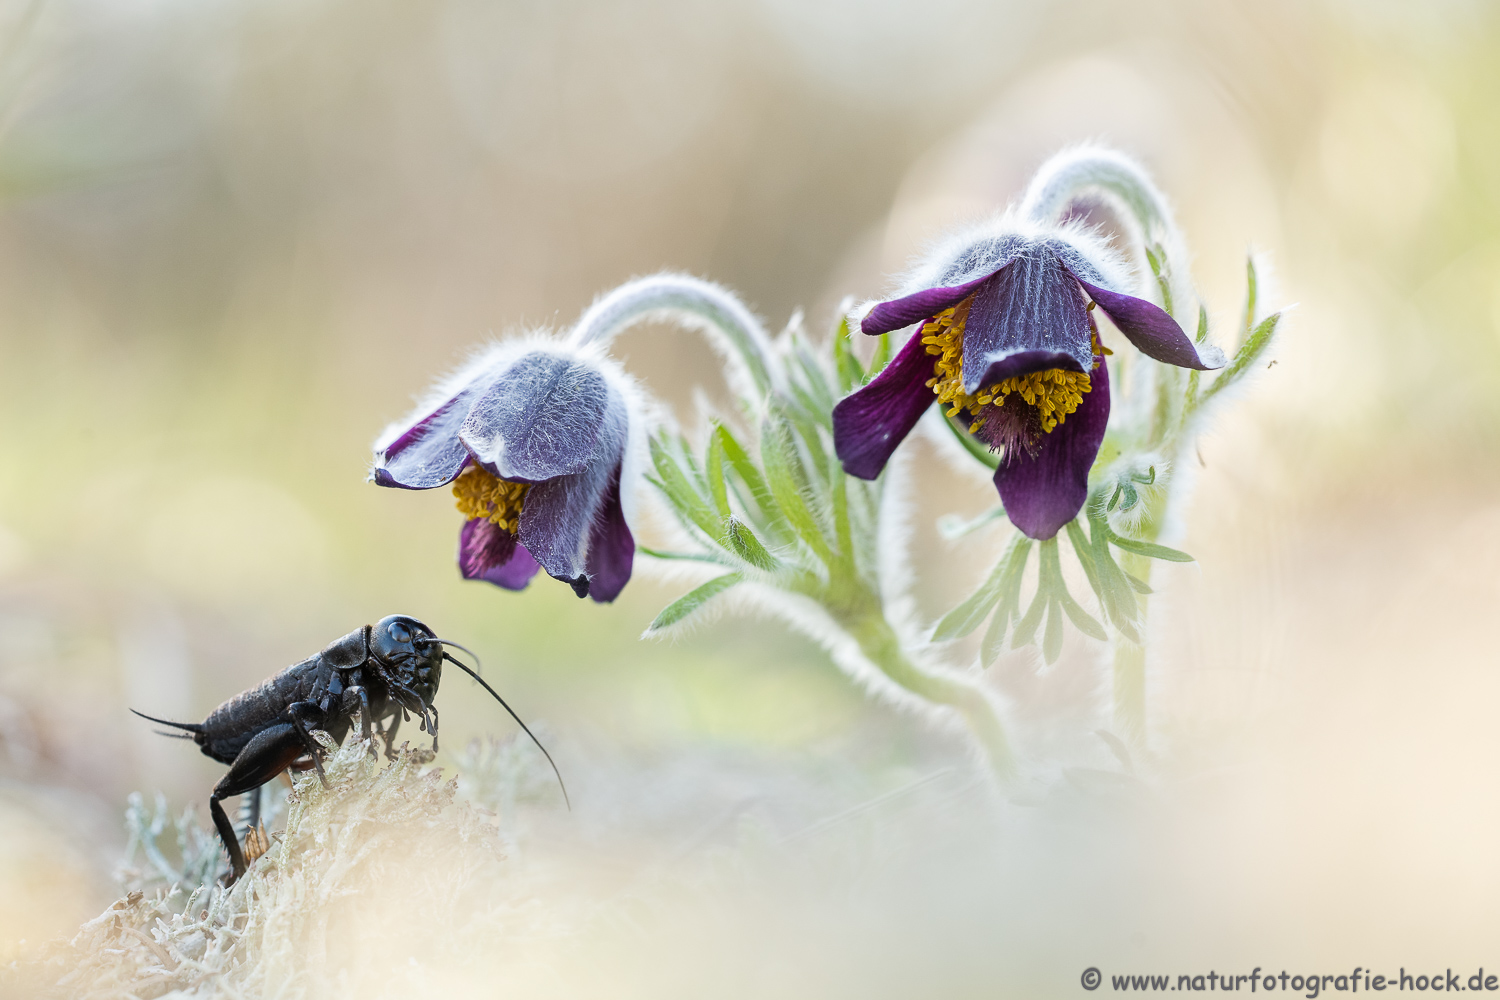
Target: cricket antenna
point(479, 666)
point(465, 668)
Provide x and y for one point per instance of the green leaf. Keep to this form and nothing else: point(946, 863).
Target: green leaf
point(1119, 601)
point(690, 514)
point(1138, 585)
point(692, 601)
point(851, 373)
point(1049, 564)
point(843, 532)
point(1048, 583)
point(713, 469)
point(971, 613)
point(1149, 549)
point(809, 449)
point(743, 543)
point(1026, 627)
point(1009, 609)
point(1085, 559)
point(1202, 326)
point(993, 642)
point(808, 466)
point(685, 500)
point(708, 557)
point(1249, 353)
point(740, 461)
point(1081, 619)
point(882, 355)
point(1051, 584)
point(953, 527)
point(802, 403)
point(818, 385)
point(1157, 258)
point(774, 447)
point(683, 453)
point(1053, 636)
point(1051, 587)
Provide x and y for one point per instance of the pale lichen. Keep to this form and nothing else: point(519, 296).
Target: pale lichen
point(374, 877)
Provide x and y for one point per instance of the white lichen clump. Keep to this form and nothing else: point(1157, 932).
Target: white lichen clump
point(376, 881)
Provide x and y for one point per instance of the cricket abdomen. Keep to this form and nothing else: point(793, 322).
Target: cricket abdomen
point(233, 724)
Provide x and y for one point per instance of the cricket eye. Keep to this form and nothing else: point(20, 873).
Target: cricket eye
point(398, 632)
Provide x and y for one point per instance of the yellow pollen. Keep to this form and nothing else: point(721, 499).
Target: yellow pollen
point(483, 495)
point(1054, 393)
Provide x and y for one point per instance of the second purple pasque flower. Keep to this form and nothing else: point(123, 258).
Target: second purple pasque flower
point(534, 438)
point(1007, 339)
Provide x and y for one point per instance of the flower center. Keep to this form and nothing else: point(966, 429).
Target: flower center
point(490, 497)
point(1051, 394)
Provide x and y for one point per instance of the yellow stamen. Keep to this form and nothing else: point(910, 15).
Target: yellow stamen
point(1055, 393)
point(483, 495)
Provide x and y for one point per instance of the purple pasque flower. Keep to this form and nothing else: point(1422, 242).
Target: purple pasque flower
point(535, 438)
point(1007, 338)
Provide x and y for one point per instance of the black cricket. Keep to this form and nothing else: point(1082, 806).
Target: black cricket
point(382, 671)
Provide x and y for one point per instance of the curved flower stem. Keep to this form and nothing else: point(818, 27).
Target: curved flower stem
point(881, 647)
point(717, 311)
point(1074, 172)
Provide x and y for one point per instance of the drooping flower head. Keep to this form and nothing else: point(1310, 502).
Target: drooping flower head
point(1006, 338)
point(535, 437)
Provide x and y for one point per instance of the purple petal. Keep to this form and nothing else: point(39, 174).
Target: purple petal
point(905, 311)
point(429, 454)
point(1153, 332)
point(1032, 305)
point(487, 551)
point(1044, 493)
point(544, 416)
point(558, 517)
point(870, 423)
point(611, 547)
point(1024, 363)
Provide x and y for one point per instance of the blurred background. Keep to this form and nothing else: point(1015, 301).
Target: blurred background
point(237, 237)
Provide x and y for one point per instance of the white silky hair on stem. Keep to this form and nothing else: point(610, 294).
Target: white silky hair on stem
point(713, 310)
point(1090, 169)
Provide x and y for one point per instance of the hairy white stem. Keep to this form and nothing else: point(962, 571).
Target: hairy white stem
point(1123, 182)
point(715, 311)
